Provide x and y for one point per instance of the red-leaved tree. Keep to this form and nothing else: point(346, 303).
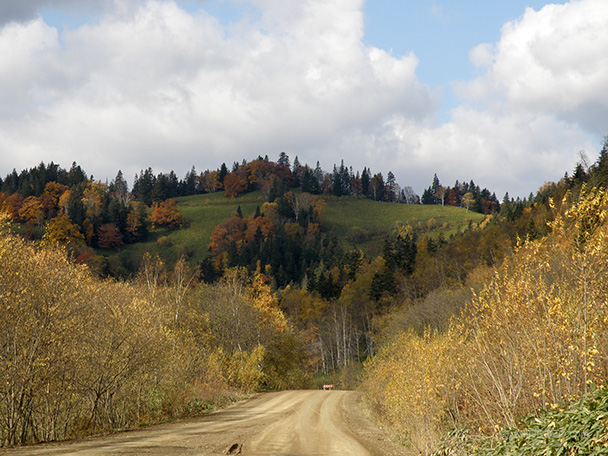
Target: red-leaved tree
point(166, 214)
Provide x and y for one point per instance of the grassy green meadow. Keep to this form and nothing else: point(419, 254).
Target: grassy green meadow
point(360, 223)
point(364, 223)
point(202, 213)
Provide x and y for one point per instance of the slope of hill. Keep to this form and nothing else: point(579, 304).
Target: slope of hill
point(202, 213)
point(364, 223)
point(360, 223)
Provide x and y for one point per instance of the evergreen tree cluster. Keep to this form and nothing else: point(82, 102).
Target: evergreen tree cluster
point(399, 257)
point(288, 243)
point(33, 181)
point(464, 194)
point(342, 181)
point(595, 175)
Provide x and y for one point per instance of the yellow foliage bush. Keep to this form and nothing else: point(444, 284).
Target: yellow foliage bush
point(536, 336)
point(77, 352)
point(410, 386)
point(245, 369)
point(80, 354)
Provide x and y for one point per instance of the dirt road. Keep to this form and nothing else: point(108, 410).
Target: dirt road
point(328, 423)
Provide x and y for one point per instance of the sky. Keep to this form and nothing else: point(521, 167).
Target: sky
point(510, 94)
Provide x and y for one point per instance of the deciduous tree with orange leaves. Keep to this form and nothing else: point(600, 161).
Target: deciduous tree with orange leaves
point(54, 190)
point(236, 183)
point(166, 214)
point(225, 233)
point(61, 230)
point(11, 206)
point(31, 211)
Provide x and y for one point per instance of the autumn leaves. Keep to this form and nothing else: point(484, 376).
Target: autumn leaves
point(79, 354)
point(533, 338)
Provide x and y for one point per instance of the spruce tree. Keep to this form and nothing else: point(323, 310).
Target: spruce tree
point(283, 159)
point(223, 172)
point(365, 179)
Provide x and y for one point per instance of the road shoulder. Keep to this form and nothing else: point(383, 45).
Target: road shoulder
point(376, 440)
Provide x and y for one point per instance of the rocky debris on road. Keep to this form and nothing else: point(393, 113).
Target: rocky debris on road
point(235, 448)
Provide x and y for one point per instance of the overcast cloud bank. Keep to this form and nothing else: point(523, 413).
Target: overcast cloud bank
point(151, 84)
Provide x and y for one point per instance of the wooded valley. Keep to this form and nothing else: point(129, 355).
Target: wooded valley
point(457, 314)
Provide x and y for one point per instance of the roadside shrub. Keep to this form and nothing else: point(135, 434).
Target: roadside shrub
point(410, 387)
point(535, 337)
point(82, 355)
point(581, 429)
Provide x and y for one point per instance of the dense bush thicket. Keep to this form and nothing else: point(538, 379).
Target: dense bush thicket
point(80, 355)
point(536, 336)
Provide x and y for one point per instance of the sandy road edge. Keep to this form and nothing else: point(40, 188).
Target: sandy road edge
point(357, 415)
point(116, 436)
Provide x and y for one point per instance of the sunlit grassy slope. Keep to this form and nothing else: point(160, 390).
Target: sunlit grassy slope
point(202, 213)
point(356, 222)
point(364, 223)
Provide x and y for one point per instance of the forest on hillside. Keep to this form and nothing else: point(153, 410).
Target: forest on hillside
point(526, 352)
point(280, 303)
point(96, 219)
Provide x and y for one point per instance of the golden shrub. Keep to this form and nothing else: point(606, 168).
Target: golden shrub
point(537, 335)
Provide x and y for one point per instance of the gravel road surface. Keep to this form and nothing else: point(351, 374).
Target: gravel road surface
point(290, 423)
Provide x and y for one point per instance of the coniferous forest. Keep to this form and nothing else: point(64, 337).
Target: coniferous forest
point(456, 331)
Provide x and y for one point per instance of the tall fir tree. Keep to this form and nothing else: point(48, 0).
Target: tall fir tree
point(365, 180)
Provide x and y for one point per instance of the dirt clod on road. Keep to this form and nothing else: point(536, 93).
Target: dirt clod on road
point(328, 423)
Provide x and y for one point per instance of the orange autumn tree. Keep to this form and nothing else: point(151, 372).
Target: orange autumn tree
point(236, 183)
point(50, 198)
point(226, 233)
point(166, 214)
point(260, 171)
point(31, 211)
point(264, 224)
point(54, 191)
point(88, 230)
point(49, 208)
point(237, 230)
point(61, 230)
point(11, 206)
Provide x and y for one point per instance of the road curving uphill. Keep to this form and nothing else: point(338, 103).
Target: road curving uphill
point(328, 423)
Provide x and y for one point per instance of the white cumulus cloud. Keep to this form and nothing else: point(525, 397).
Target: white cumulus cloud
point(158, 86)
point(540, 99)
point(552, 61)
point(150, 83)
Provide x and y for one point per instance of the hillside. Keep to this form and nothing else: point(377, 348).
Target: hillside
point(532, 338)
point(360, 223)
point(299, 283)
point(364, 223)
point(202, 213)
